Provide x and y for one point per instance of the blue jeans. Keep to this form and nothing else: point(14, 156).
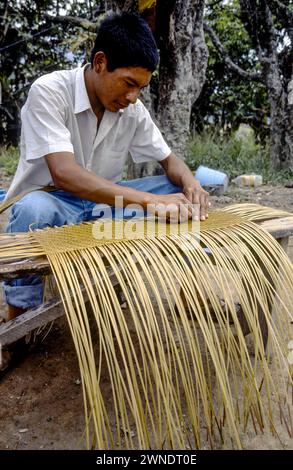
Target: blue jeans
point(40, 209)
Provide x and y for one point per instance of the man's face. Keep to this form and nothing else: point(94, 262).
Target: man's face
point(116, 90)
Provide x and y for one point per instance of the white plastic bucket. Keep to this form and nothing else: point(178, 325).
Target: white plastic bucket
point(207, 176)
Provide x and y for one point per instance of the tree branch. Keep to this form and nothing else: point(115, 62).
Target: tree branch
point(285, 9)
point(81, 22)
point(227, 59)
point(285, 14)
point(5, 23)
point(213, 4)
point(127, 5)
point(199, 10)
point(272, 36)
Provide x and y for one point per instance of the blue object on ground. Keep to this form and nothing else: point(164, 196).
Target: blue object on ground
point(2, 194)
point(207, 176)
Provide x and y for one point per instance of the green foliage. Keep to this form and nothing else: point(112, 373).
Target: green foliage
point(9, 159)
point(233, 155)
point(31, 44)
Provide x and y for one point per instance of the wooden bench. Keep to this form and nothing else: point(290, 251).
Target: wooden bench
point(281, 229)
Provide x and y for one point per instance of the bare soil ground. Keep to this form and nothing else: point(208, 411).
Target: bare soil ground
point(41, 398)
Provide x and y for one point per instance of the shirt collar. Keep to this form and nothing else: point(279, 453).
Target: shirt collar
point(82, 102)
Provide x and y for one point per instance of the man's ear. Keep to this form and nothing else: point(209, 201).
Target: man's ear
point(100, 62)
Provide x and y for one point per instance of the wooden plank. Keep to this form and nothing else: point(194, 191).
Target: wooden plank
point(279, 228)
point(17, 269)
point(28, 321)
point(284, 242)
point(39, 316)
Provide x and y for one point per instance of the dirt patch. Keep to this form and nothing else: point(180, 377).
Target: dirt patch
point(42, 405)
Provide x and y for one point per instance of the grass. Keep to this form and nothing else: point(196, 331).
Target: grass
point(232, 155)
point(9, 160)
point(235, 156)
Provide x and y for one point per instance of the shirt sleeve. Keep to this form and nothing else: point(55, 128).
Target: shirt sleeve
point(148, 143)
point(43, 123)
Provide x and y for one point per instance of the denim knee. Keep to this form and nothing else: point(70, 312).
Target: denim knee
point(35, 210)
point(25, 293)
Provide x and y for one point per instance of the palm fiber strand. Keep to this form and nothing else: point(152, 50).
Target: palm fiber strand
point(182, 371)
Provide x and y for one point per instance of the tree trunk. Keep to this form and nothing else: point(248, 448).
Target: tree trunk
point(281, 155)
point(289, 120)
point(183, 63)
point(289, 125)
point(277, 85)
point(260, 24)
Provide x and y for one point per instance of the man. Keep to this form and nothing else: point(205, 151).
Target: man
point(77, 129)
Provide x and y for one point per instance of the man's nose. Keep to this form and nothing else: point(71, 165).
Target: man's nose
point(132, 96)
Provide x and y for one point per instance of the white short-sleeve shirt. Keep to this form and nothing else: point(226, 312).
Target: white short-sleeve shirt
point(57, 117)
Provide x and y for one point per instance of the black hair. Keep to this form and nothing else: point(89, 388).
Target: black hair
point(127, 41)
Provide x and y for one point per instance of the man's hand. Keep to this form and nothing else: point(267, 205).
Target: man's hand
point(197, 195)
point(179, 173)
point(172, 207)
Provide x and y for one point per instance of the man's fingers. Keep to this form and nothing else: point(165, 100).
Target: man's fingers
point(189, 195)
point(193, 196)
point(204, 204)
point(200, 198)
point(186, 204)
point(203, 208)
point(182, 208)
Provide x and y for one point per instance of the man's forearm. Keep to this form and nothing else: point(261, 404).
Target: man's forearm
point(86, 185)
point(178, 172)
